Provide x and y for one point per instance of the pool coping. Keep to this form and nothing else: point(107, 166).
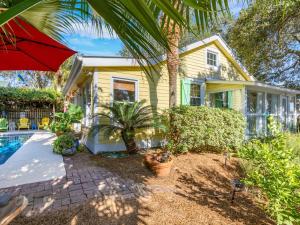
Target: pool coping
point(33, 162)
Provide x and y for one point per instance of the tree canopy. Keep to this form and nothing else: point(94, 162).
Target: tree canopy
point(266, 37)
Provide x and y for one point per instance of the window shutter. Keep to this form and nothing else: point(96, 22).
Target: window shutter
point(185, 91)
point(230, 99)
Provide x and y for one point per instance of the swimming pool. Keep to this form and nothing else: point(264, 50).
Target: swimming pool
point(9, 144)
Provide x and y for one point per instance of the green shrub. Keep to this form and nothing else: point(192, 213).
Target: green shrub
point(63, 142)
point(63, 121)
point(205, 128)
point(271, 167)
point(293, 142)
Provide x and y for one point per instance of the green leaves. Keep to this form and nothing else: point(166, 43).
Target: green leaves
point(125, 118)
point(27, 95)
point(205, 129)
point(16, 10)
point(271, 167)
point(63, 120)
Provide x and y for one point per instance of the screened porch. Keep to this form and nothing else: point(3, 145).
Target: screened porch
point(264, 102)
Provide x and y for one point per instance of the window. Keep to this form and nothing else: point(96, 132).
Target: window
point(221, 99)
point(211, 58)
point(124, 90)
point(195, 95)
point(191, 92)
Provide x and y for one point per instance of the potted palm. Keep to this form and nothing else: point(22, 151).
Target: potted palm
point(124, 119)
point(159, 163)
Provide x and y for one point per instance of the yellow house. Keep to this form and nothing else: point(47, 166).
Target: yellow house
point(209, 75)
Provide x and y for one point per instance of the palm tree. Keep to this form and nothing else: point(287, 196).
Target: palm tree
point(202, 14)
point(125, 118)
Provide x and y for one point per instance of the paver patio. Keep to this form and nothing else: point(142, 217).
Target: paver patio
point(81, 183)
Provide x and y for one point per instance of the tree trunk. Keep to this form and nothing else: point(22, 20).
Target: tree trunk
point(130, 143)
point(173, 37)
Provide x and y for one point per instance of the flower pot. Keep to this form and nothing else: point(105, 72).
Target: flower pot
point(70, 151)
point(158, 168)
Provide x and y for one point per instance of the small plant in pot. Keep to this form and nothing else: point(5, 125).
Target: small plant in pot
point(65, 145)
point(159, 163)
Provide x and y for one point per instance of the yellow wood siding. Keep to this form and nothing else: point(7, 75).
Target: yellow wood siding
point(156, 92)
point(194, 64)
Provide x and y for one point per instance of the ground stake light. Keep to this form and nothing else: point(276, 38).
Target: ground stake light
point(237, 186)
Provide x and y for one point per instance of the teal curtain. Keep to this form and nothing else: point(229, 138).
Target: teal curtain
point(185, 91)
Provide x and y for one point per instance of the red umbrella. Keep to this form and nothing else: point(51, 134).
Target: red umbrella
point(31, 49)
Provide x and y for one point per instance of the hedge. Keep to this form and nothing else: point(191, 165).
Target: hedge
point(205, 129)
point(27, 95)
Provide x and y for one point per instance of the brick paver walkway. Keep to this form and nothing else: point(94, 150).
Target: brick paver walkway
point(80, 184)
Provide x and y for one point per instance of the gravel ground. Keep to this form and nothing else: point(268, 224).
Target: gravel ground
point(196, 192)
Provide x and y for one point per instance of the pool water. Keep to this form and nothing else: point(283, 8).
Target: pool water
point(9, 144)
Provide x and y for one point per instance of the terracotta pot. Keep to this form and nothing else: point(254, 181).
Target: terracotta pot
point(159, 169)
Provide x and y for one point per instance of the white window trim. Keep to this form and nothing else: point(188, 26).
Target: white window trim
point(213, 51)
point(136, 97)
point(200, 82)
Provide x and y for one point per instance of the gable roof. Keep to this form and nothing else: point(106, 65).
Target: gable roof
point(117, 61)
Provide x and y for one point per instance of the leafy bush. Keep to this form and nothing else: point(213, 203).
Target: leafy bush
point(28, 95)
point(63, 142)
point(75, 112)
point(205, 128)
point(63, 121)
point(293, 142)
point(271, 168)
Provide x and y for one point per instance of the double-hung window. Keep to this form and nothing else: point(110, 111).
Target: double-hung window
point(212, 58)
point(221, 99)
point(195, 97)
point(124, 90)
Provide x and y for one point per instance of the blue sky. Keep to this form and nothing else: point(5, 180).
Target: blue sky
point(88, 43)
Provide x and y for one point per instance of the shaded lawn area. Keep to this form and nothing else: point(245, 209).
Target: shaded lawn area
point(197, 192)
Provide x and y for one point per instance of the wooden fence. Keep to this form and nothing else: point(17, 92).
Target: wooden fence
point(35, 115)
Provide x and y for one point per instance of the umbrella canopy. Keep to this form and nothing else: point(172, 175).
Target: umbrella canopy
point(26, 48)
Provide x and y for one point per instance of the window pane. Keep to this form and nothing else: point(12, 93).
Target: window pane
point(211, 58)
point(195, 90)
point(219, 100)
point(195, 95)
point(195, 101)
point(124, 90)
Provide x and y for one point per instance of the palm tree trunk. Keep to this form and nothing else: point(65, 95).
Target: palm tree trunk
point(173, 38)
point(130, 143)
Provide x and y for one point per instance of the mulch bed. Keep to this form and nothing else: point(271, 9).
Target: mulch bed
point(196, 192)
